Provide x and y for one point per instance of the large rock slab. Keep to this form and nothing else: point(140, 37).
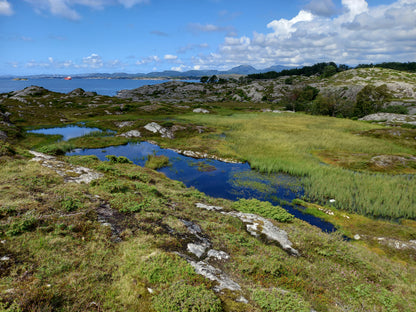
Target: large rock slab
point(258, 226)
point(70, 173)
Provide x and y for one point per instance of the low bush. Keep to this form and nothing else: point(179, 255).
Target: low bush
point(119, 159)
point(21, 226)
point(264, 209)
point(279, 300)
point(56, 149)
point(181, 297)
point(156, 162)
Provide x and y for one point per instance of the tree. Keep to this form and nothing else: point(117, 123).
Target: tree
point(204, 79)
point(370, 100)
point(329, 71)
point(213, 79)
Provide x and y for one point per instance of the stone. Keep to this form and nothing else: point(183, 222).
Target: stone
point(357, 237)
point(131, 134)
point(197, 249)
point(156, 128)
point(214, 274)
point(123, 124)
point(81, 92)
point(242, 300)
point(70, 173)
point(257, 225)
point(201, 110)
point(217, 254)
point(207, 207)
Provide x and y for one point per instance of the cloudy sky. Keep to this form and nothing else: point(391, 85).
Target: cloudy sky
point(85, 36)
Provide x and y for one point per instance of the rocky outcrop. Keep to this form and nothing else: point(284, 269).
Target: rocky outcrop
point(391, 119)
point(258, 226)
point(201, 110)
point(81, 93)
point(7, 129)
point(203, 259)
point(29, 91)
point(156, 128)
point(131, 134)
point(200, 155)
point(70, 173)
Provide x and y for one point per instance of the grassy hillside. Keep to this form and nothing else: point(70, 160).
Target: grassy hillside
point(130, 239)
point(120, 244)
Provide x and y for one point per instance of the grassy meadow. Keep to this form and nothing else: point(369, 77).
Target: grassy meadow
point(121, 242)
point(292, 142)
point(58, 256)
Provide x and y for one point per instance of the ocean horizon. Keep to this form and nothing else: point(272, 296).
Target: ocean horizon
point(108, 87)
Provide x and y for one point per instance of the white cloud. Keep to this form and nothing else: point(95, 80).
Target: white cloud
point(321, 7)
point(93, 61)
point(180, 68)
point(6, 8)
point(197, 28)
point(131, 3)
point(358, 34)
point(190, 47)
point(63, 8)
point(148, 60)
point(170, 57)
point(355, 7)
point(283, 27)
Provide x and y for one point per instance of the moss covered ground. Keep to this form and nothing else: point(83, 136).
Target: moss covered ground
point(120, 242)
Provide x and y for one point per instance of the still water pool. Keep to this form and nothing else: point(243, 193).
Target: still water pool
point(216, 178)
point(67, 132)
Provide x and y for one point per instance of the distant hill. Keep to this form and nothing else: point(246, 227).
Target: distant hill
point(196, 74)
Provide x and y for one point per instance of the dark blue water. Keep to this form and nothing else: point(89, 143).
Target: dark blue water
point(216, 178)
point(101, 86)
point(67, 132)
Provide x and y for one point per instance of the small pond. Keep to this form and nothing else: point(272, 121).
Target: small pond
point(68, 132)
point(216, 178)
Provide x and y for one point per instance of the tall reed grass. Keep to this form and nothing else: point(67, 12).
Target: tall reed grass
point(286, 142)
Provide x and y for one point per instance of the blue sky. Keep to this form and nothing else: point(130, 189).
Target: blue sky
point(86, 36)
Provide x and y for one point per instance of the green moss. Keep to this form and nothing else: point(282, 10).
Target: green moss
point(156, 161)
point(279, 300)
point(180, 297)
point(264, 209)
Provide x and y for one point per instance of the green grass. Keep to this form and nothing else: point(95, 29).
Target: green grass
point(63, 259)
point(156, 161)
point(264, 209)
point(288, 143)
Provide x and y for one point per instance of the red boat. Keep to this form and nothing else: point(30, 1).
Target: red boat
point(68, 78)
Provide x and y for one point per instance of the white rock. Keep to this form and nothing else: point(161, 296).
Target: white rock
point(131, 134)
point(153, 127)
point(218, 254)
point(4, 258)
point(257, 225)
point(242, 299)
point(357, 237)
point(215, 274)
point(197, 249)
point(207, 207)
point(201, 110)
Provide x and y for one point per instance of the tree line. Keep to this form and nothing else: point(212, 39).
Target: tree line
point(329, 69)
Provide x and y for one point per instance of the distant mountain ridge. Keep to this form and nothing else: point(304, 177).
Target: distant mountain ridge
point(238, 70)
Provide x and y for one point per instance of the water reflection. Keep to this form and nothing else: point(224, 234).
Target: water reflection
point(68, 132)
point(216, 178)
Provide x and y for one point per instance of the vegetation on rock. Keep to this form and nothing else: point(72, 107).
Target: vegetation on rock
point(121, 242)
